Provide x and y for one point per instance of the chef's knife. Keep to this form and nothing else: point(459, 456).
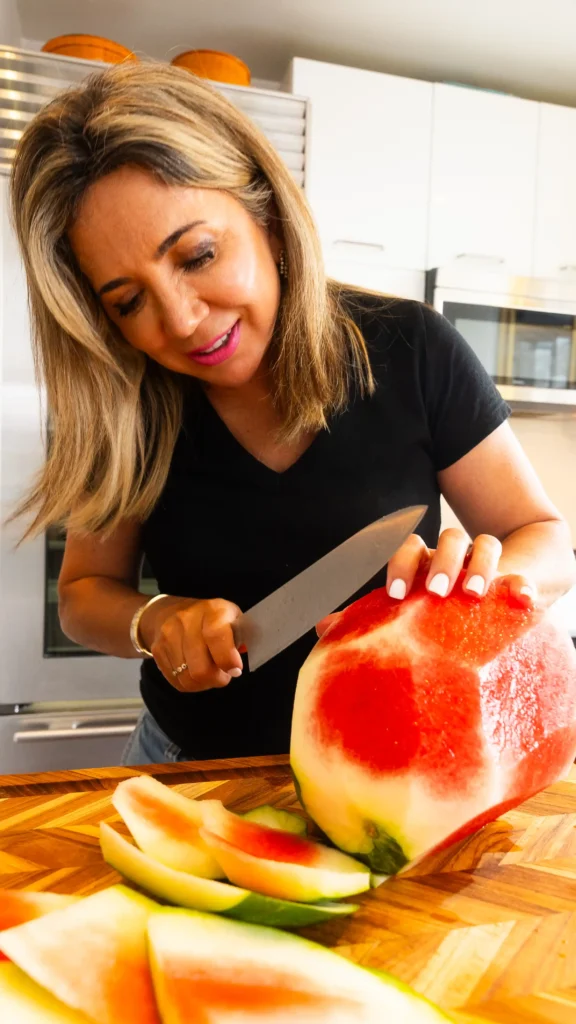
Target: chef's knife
point(289, 612)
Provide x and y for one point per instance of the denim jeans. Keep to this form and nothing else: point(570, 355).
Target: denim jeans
point(149, 745)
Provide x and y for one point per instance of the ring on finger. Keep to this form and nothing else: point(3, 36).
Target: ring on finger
point(181, 668)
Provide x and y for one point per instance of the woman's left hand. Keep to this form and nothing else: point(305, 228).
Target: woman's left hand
point(443, 566)
point(481, 562)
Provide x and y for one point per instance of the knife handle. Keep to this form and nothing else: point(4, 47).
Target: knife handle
point(238, 637)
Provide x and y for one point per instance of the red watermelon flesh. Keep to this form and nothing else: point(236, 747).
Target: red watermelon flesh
point(18, 906)
point(276, 863)
point(416, 722)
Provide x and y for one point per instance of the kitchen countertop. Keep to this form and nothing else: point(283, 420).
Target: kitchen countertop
point(487, 929)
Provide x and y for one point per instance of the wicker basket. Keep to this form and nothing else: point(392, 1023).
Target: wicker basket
point(220, 67)
point(89, 48)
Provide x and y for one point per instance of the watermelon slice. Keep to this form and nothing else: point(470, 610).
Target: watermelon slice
point(208, 970)
point(273, 817)
point(417, 722)
point(92, 955)
point(18, 906)
point(22, 1001)
point(278, 863)
point(205, 894)
point(165, 825)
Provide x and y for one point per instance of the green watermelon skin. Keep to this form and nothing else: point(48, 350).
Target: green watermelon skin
point(417, 722)
point(206, 894)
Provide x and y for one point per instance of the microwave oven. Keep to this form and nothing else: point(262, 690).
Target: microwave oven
point(523, 330)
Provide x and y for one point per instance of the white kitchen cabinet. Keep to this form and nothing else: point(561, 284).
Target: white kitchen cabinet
point(367, 168)
point(484, 157)
point(555, 227)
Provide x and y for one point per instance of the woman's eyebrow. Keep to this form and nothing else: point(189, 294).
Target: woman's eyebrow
point(162, 249)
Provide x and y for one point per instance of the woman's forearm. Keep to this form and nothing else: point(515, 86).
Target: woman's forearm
point(97, 611)
point(543, 553)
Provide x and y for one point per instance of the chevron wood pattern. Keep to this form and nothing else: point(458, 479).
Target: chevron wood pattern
point(486, 929)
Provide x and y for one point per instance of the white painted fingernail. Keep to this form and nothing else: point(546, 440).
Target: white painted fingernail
point(476, 585)
point(397, 589)
point(527, 591)
point(439, 584)
point(235, 672)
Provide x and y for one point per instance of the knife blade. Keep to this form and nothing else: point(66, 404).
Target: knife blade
point(289, 612)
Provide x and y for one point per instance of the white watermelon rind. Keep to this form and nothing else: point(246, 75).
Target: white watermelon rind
point(239, 947)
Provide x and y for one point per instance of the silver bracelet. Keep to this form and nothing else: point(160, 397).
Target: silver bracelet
point(136, 623)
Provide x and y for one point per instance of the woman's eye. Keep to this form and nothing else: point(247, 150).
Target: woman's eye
point(126, 308)
point(198, 261)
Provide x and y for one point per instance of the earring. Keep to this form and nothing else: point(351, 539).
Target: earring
point(282, 264)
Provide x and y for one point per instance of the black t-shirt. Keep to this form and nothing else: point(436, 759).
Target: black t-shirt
point(227, 526)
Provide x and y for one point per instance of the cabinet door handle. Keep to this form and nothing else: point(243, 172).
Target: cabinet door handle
point(377, 246)
point(36, 735)
point(481, 256)
point(568, 268)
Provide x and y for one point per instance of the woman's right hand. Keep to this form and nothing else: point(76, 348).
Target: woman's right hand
point(179, 630)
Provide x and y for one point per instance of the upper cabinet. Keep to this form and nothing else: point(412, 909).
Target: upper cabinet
point(555, 227)
point(484, 160)
point(367, 168)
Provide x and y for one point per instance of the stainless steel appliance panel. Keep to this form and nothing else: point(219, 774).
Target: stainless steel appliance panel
point(40, 741)
point(522, 329)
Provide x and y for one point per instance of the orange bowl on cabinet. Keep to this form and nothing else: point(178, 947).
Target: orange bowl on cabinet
point(220, 67)
point(89, 47)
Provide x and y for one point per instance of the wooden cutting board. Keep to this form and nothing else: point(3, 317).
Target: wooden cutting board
point(487, 929)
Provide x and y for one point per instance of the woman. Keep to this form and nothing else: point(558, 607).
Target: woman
point(220, 408)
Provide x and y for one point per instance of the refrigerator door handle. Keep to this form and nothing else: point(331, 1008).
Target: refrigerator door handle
point(36, 735)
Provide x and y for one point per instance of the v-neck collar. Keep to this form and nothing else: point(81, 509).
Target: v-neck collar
point(233, 444)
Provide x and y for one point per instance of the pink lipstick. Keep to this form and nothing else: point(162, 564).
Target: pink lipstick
point(219, 350)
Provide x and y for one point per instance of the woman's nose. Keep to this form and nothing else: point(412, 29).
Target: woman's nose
point(181, 315)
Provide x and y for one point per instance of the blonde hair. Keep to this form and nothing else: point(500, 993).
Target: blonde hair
point(114, 412)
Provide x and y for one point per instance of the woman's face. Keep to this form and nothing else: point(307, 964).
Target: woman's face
point(187, 274)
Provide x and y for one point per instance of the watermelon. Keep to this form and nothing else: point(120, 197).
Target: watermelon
point(205, 894)
point(91, 955)
point(209, 970)
point(272, 817)
point(277, 863)
point(18, 906)
point(417, 722)
point(23, 1001)
point(165, 825)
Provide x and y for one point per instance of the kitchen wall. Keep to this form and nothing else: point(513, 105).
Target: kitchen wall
point(10, 27)
point(521, 46)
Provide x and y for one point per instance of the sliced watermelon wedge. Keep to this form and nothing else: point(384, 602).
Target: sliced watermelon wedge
point(205, 894)
point(210, 970)
point(22, 1001)
point(165, 825)
point(18, 906)
point(92, 955)
point(273, 817)
point(277, 863)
